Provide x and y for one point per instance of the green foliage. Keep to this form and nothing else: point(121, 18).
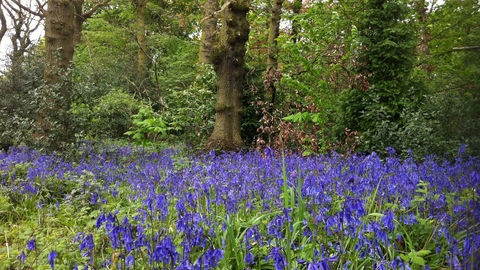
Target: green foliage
point(148, 127)
point(315, 67)
point(109, 117)
point(455, 76)
point(22, 75)
point(378, 106)
point(190, 111)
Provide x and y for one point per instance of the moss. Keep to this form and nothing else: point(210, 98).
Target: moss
point(218, 52)
point(221, 107)
point(240, 5)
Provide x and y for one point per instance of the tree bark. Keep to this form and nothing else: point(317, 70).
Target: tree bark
point(59, 49)
point(228, 57)
point(209, 30)
point(422, 13)
point(81, 17)
point(3, 21)
point(59, 45)
point(296, 8)
point(78, 21)
point(142, 57)
point(272, 52)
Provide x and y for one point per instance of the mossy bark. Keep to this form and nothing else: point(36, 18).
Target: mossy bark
point(228, 56)
point(272, 53)
point(209, 30)
point(142, 57)
point(59, 45)
point(296, 28)
point(59, 48)
point(78, 21)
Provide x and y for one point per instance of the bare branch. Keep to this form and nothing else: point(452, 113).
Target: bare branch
point(468, 48)
point(3, 29)
point(40, 13)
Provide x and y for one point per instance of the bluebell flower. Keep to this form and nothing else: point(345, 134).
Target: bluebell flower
point(279, 261)
point(129, 261)
point(249, 258)
point(87, 244)
point(51, 258)
point(165, 252)
point(388, 220)
point(31, 244)
point(22, 257)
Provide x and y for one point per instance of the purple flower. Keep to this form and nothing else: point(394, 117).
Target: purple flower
point(22, 257)
point(249, 259)
point(130, 260)
point(51, 258)
point(31, 244)
point(87, 244)
point(278, 259)
point(387, 220)
point(165, 252)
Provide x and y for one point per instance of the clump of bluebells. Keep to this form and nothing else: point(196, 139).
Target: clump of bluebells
point(164, 210)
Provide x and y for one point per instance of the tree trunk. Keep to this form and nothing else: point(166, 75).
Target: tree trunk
point(228, 57)
point(421, 11)
point(81, 16)
point(59, 49)
point(3, 21)
point(209, 30)
point(272, 52)
point(296, 8)
point(142, 57)
point(58, 39)
point(78, 22)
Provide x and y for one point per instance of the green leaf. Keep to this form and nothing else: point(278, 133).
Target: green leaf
point(418, 260)
point(423, 252)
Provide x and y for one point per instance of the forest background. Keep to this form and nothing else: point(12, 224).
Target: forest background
point(313, 76)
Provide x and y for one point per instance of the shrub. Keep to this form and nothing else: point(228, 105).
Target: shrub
point(109, 117)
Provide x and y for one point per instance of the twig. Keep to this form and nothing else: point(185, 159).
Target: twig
point(6, 244)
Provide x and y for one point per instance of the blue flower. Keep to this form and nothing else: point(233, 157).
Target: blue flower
point(87, 244)
point(31, 244)
point(249, 258)
point(22, 257)
point(130, 260)
point(51, 258)
point(388, 219)
point(278, 259)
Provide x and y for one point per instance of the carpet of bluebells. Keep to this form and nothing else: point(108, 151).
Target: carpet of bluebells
point(127, 208)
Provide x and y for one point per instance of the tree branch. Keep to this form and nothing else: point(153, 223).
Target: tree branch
point(3, 30)
point(467, 48)
point(40, 13)
point(90, 13)
point(216, 14)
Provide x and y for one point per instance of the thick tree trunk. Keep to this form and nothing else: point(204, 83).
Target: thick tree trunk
point(272, 52)
point(425, 37)
point(209, 29)
point(59, 45)
point(142, 57)
point(228, 57)
point(78, 22)
point(59, 50)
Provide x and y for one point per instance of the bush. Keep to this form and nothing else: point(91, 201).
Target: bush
point(22, 75)
point(109, 117)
